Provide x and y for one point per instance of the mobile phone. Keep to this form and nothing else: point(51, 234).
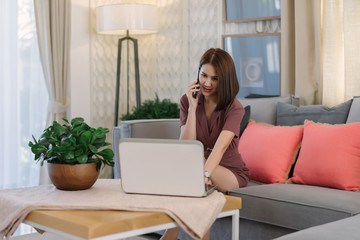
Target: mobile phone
point(197, 82)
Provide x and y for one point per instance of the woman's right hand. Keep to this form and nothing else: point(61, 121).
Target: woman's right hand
point(192, 88)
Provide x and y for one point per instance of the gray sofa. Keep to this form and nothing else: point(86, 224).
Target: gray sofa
point(284, 211)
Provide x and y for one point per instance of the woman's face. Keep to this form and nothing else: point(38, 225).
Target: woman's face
point(208, 80)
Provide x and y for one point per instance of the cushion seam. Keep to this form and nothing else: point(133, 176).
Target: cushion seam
point(298, 203)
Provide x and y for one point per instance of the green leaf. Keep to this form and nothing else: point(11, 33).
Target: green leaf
point(69, 155)
point(78, 130)
point(82, 158)
point(98, 166)
point(77, 121)
point(99, 142)
point(99, 133)
point(59, 130)
point(65, 119)
point(38, 148)
point(85, 137)
point(107, 154)
point(93, 148)
point(79, 152)
point(34, 139)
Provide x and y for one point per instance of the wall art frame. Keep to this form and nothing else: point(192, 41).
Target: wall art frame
point(257, 62)
point(251, 10)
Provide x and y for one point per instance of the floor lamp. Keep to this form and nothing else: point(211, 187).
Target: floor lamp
point(126, 19)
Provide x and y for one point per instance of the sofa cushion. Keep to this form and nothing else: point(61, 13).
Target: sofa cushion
point(329, 156)
point(269, 151)
point(264, 109)
point(289, 115)
point(343, 229)
point(354, 113)
point(296, 206)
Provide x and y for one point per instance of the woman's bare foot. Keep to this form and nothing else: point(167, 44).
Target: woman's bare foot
point(207, 236)
point(171, 234)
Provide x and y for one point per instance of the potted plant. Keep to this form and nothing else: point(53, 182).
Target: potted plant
point(75, 153)
point(154, 109)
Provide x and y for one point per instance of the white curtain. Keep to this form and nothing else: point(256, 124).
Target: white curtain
point(301, 50)
point(23, 96)
point(320, 50)
point(341, 50)
point(53, 30)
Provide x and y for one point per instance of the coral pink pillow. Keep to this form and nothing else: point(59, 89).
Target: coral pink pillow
point(329, 156)
point(269, 151)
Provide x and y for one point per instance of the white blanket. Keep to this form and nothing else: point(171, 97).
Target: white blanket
point(194, 215)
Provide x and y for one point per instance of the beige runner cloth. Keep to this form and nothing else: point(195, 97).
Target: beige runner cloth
point(194, 215)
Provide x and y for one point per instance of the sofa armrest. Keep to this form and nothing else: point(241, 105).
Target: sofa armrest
point(354, 112)
point(148, 128)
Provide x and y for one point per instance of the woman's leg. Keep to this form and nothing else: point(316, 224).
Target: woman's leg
point(224, 179)
point(171, 234)
point(207, 236)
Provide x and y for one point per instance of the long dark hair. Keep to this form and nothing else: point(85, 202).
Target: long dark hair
point(228, 85)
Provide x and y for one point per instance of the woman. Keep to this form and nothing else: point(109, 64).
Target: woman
point(210, 113)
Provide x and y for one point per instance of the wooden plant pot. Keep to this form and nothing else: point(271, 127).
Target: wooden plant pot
point(73, 177)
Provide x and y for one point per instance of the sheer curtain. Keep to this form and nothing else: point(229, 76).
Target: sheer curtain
point(320, 50)
point(301, 50)
point(341, 51)
point(23, 94)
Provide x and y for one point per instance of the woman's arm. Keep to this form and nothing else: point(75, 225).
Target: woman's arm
point(188, 131)
point(222, 143)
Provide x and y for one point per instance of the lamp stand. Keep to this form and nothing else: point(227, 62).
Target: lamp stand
point(118, 70)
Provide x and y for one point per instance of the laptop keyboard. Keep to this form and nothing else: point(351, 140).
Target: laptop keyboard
point(209, 187)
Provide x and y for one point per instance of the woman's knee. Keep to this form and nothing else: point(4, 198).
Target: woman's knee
point(224, 179)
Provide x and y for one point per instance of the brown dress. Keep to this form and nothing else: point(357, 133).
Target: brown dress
point(208, 132)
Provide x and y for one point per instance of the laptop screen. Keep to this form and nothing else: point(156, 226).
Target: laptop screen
point(162, 166)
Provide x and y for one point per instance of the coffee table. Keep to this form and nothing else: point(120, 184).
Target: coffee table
point(109, 224)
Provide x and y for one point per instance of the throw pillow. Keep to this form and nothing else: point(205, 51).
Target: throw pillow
point(269, 151)
point(264, 109)
point(245, 120)
point(329, 156)
point(289, 115)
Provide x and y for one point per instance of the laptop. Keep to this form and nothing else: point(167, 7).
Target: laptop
point(163, 167)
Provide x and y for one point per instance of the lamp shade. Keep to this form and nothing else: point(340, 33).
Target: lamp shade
point(117, 18)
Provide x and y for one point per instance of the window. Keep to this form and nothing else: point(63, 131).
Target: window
point(23, 95)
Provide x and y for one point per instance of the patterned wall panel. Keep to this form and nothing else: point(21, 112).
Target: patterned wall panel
point(204, 32)
point(170, 49)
